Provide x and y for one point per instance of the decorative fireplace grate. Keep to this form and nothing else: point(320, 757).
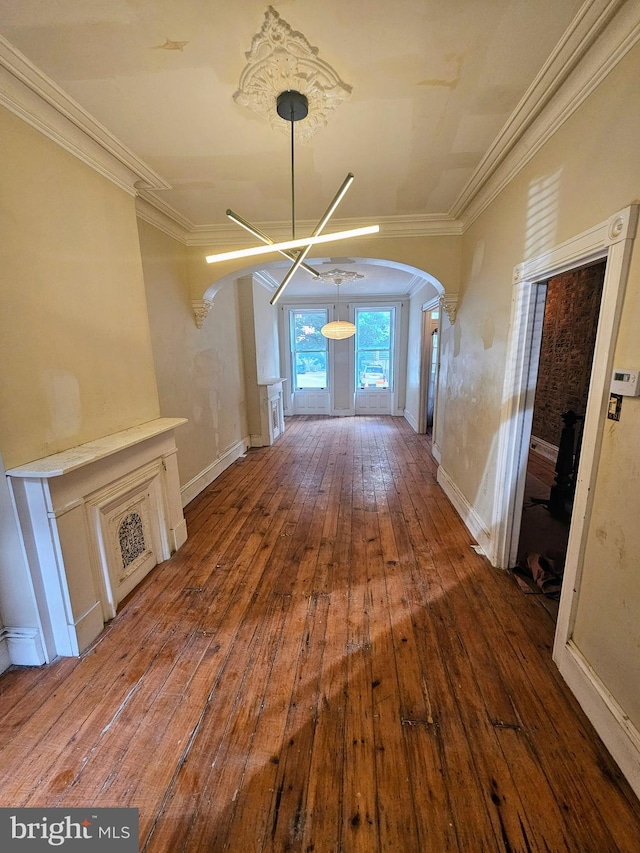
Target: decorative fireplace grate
point(131, 538)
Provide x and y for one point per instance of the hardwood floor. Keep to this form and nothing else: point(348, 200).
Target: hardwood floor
point(326, 665)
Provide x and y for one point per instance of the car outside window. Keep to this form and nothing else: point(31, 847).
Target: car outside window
point(374, 343)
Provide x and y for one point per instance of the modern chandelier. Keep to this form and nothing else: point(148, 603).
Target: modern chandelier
point(293, 106)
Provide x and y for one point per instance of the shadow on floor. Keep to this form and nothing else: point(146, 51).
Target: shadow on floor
point(542, 547)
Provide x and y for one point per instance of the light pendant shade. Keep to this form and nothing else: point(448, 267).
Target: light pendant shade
point(338, 329)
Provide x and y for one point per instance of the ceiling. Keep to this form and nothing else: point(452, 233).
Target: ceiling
point(427, 85)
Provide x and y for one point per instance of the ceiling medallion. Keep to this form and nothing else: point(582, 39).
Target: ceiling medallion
point(339, 277)
point(282, 59)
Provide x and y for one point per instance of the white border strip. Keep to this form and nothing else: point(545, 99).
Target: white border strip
point(22, 647)
point(200, 482)
point(5, 657)
point(600, 35)
point(467, 513)
point(618, 733)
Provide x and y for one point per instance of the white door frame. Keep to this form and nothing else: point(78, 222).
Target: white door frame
point(612, 241)
point(425, 363)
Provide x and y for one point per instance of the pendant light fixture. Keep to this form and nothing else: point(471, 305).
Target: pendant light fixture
point(338, 329)
point(293, 106)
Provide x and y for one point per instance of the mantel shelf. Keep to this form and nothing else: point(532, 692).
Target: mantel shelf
point(274, 381)
point(66, 461)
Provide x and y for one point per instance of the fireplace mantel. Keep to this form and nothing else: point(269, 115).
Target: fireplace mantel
point(94, 520)
point(271, 411)
point(66, 461)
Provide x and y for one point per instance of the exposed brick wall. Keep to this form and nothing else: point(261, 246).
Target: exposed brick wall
point(568, 338)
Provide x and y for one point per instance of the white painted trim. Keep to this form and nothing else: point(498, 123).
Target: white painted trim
point(618, 733)
point(543, 448)
point(436, 452)
point(24, 646)
point(413, 225)
point(88, 626)
point(527, 314)
point(163, 217)
point(66, 461)
point(413, 423)
point(200, 482)
point(600, 35)
point(30, 94)
point(5, 657)
point(178, 535)
point(467, 513)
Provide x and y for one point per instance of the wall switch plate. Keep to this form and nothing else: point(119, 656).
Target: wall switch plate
point(615, 405)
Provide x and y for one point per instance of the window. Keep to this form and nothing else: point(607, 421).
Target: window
point(308, 349)
point(374, 347)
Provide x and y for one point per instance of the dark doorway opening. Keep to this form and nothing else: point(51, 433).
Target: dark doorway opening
point(571, 312)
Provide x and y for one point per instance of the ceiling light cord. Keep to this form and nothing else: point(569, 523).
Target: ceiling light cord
point(293, 178)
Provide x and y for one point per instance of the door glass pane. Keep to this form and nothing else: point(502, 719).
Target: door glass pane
point(373, 347)
point(309, 349)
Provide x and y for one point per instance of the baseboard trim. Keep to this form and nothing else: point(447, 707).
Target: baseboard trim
point(5, 657)
point(200, 482)
point(543, 448)
point(614, 727)
point(413, 423)
point(23, 646)
point(87, 627)
point(178, 536)
point(436, 452)
point(467, 513)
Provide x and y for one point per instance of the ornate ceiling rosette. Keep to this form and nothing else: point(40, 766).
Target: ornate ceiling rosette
point(338, 277)
point(282, 59)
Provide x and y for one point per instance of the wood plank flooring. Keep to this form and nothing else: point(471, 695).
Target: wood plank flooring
point(325, 666)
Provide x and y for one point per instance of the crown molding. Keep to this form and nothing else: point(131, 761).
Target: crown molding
point(264, 278)
point(599, 37)
point(427, 225)
point(163, 217)
point(30, 94)
point(415, 283)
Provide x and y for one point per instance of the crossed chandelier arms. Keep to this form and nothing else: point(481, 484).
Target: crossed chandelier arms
point(288, 247)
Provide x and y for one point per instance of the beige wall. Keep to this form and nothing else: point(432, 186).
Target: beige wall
point(74, 336)
point(73, 324)
point(585, 173)
point(199, 371)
